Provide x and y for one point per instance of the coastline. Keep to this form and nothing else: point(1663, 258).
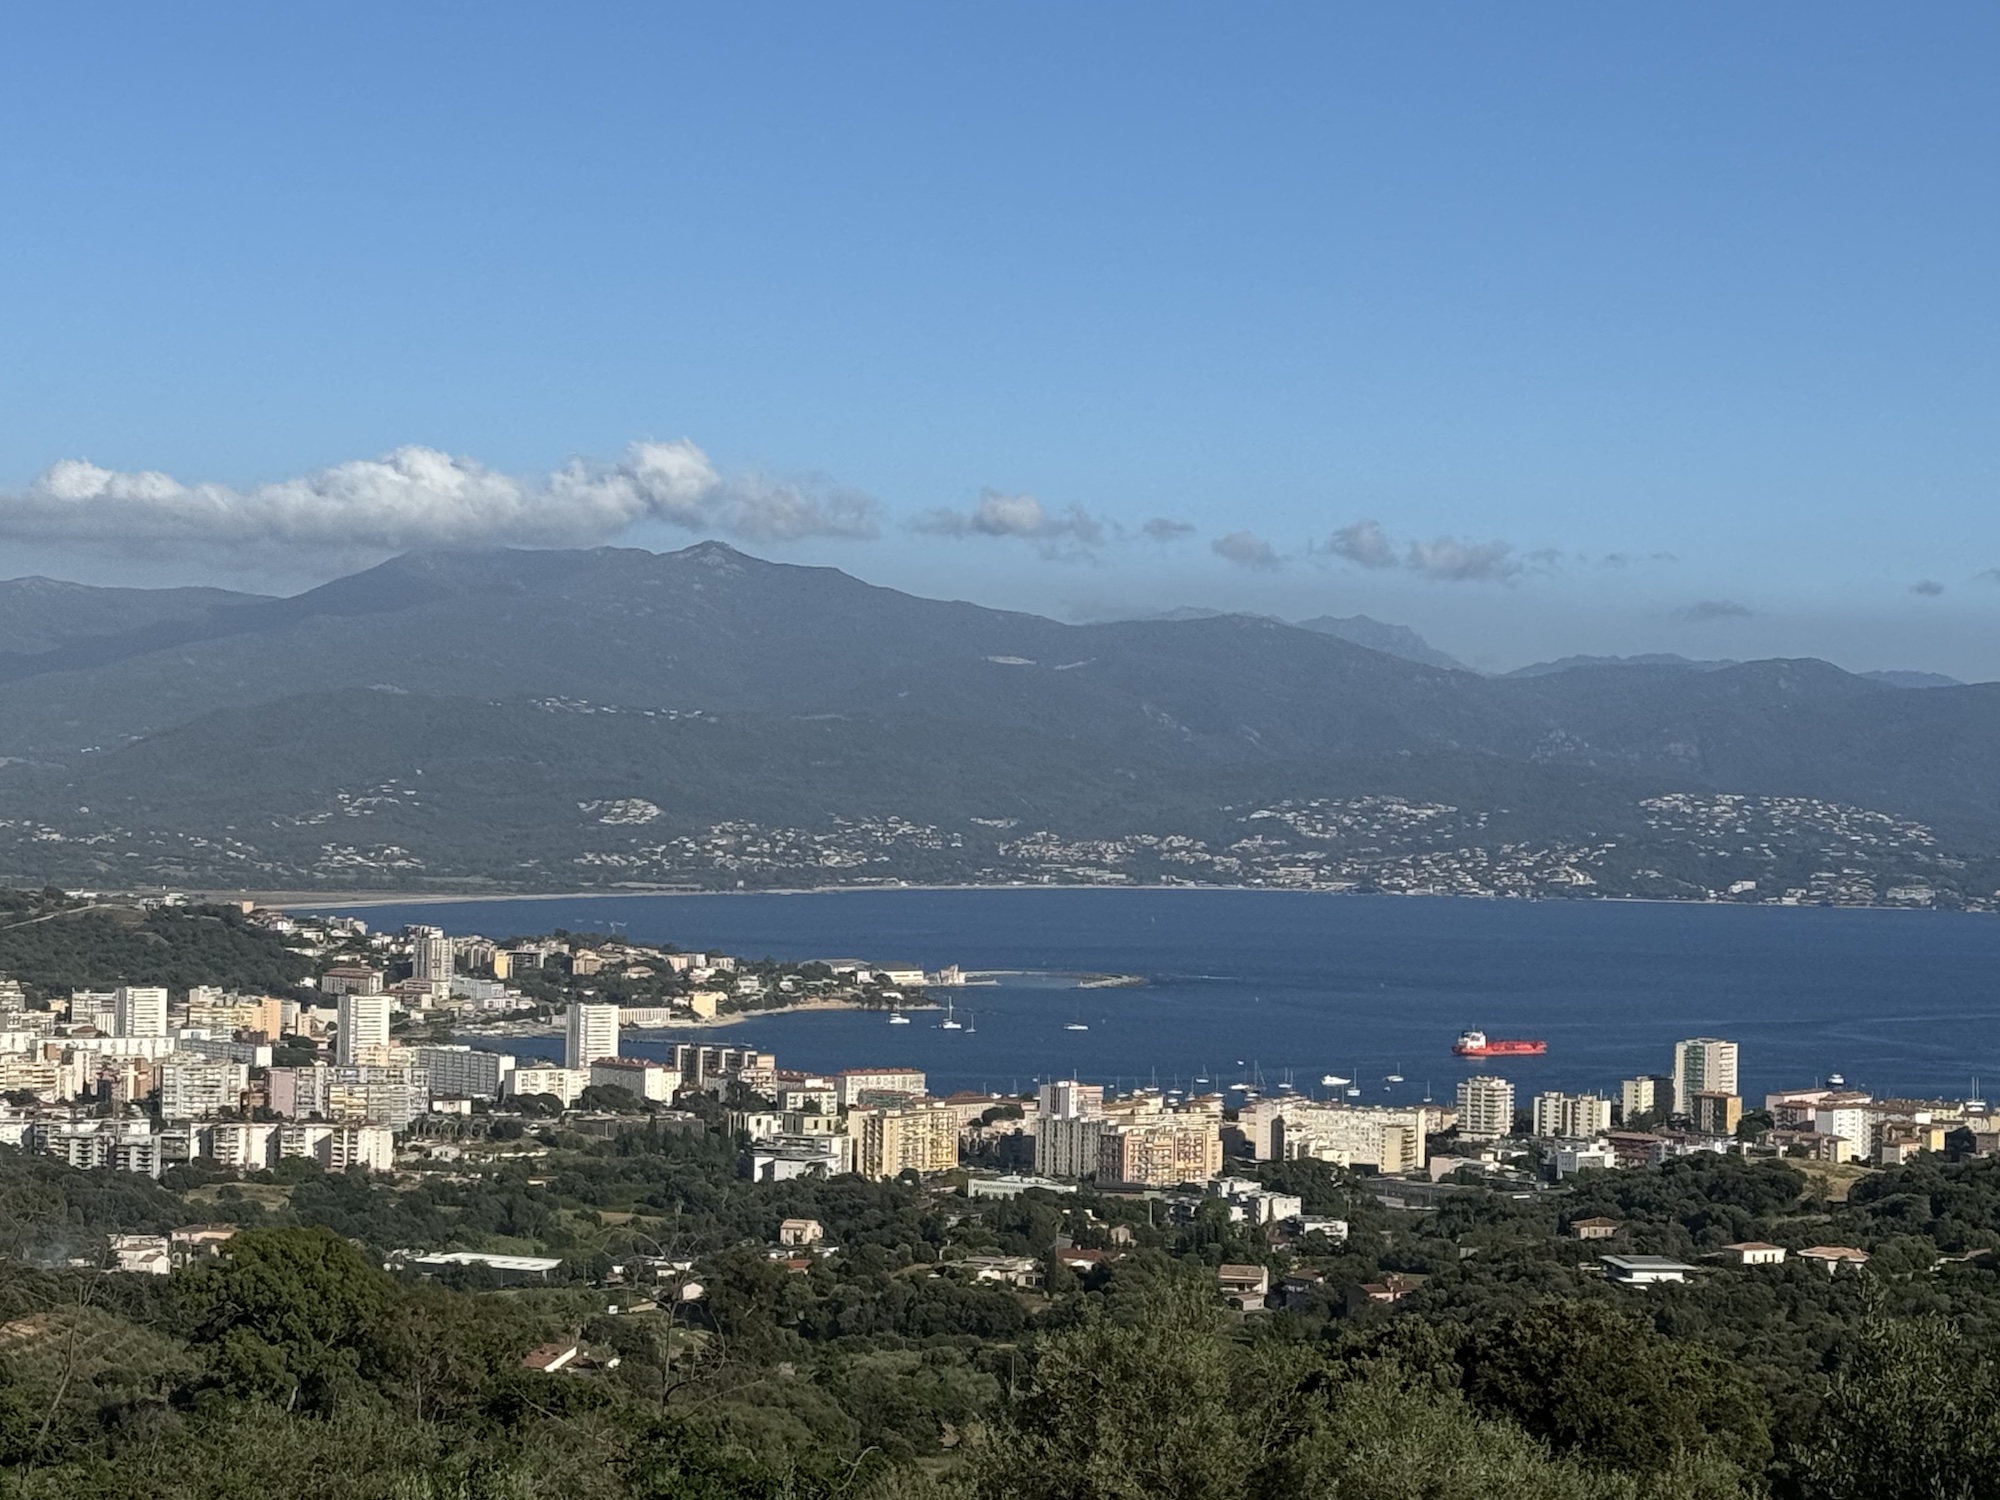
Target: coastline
point(737, 1017)
point(320, 901)
point(697, 1027)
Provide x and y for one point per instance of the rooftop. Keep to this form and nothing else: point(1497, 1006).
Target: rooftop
point(536, 1263)
point(1645, 1263)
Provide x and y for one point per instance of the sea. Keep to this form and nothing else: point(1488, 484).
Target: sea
point(1265, 988)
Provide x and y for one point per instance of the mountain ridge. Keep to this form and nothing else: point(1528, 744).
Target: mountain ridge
point(722, 690)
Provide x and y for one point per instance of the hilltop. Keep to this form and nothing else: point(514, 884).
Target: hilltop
point(554, 718)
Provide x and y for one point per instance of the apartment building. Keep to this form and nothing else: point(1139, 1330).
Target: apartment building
point(362, 1028)
point(432, 955)
point(190, 1087)
point(357, 979)
point(591, 1033)
point(1391, 1139)
point(139, 1010)
point(1713, 1112)
point(123, 1145)
point(562, 1083)
point(1165, 1151)
point(1648, 1094)
point(1068, 1145)
point(393, 1093)
point(1485, 1108)
point(867, 1086)
point(1702, 1065)
point(461, 1072)
point(638, 1077)
point(1559, 1116)
point(892, 1139)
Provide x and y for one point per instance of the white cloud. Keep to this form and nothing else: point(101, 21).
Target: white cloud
point(1446, 558)
point(1366, 543)
point(417, 496)
point(1455, 561)
point(1246, 549)
point(1021, 516)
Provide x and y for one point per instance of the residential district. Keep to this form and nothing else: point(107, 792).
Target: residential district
point(1770, 850)
point(141, 1078)
point(1724, 847)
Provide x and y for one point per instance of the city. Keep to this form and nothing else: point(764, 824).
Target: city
point(1049, 752)
point(371, 1075)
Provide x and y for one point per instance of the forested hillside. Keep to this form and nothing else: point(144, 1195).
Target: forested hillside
point(556, 719)
point(886, 1367)
point(54, 943)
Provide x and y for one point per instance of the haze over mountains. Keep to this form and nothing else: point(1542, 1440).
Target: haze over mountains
point(552, 719)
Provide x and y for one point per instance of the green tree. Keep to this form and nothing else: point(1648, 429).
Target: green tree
point(1140, 1412)
point(1592, 1381)
point(1912, 1415)
point(286, 1314)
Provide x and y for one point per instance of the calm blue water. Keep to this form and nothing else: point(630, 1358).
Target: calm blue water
point(1306, 984)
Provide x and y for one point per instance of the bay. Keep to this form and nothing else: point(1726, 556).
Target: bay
point(1267, 984)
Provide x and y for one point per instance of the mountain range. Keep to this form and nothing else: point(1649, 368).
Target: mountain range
point(552, 719)
point(1377, 635)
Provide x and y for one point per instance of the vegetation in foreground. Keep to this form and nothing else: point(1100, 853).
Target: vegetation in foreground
point(295, 1364)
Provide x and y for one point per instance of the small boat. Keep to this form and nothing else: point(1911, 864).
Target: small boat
point(1077, 1026)
point(1329, 1081)
point(971, 1023)
point(1393, 1078)
point(1237, 1088)
point(1834, 1080)
point(1354, 1093)
point(897, 1018)
point(950, 1022)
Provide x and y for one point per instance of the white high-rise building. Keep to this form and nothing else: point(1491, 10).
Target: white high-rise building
point(1067, 1099)
point(362, 1023)
point(188, 1087)
point(432, 954)
point(1485, 1108)
point(140, 1010)
point(1702, 1065)
point(592, 1033)
point(1571, 1116)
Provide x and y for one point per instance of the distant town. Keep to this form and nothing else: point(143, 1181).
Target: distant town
point(369, 1076)
point(1683, 846)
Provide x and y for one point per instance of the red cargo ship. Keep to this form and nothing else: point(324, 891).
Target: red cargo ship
point(1479, 1044)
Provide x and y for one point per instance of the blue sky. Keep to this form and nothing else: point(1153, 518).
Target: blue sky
point(1542, 329)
